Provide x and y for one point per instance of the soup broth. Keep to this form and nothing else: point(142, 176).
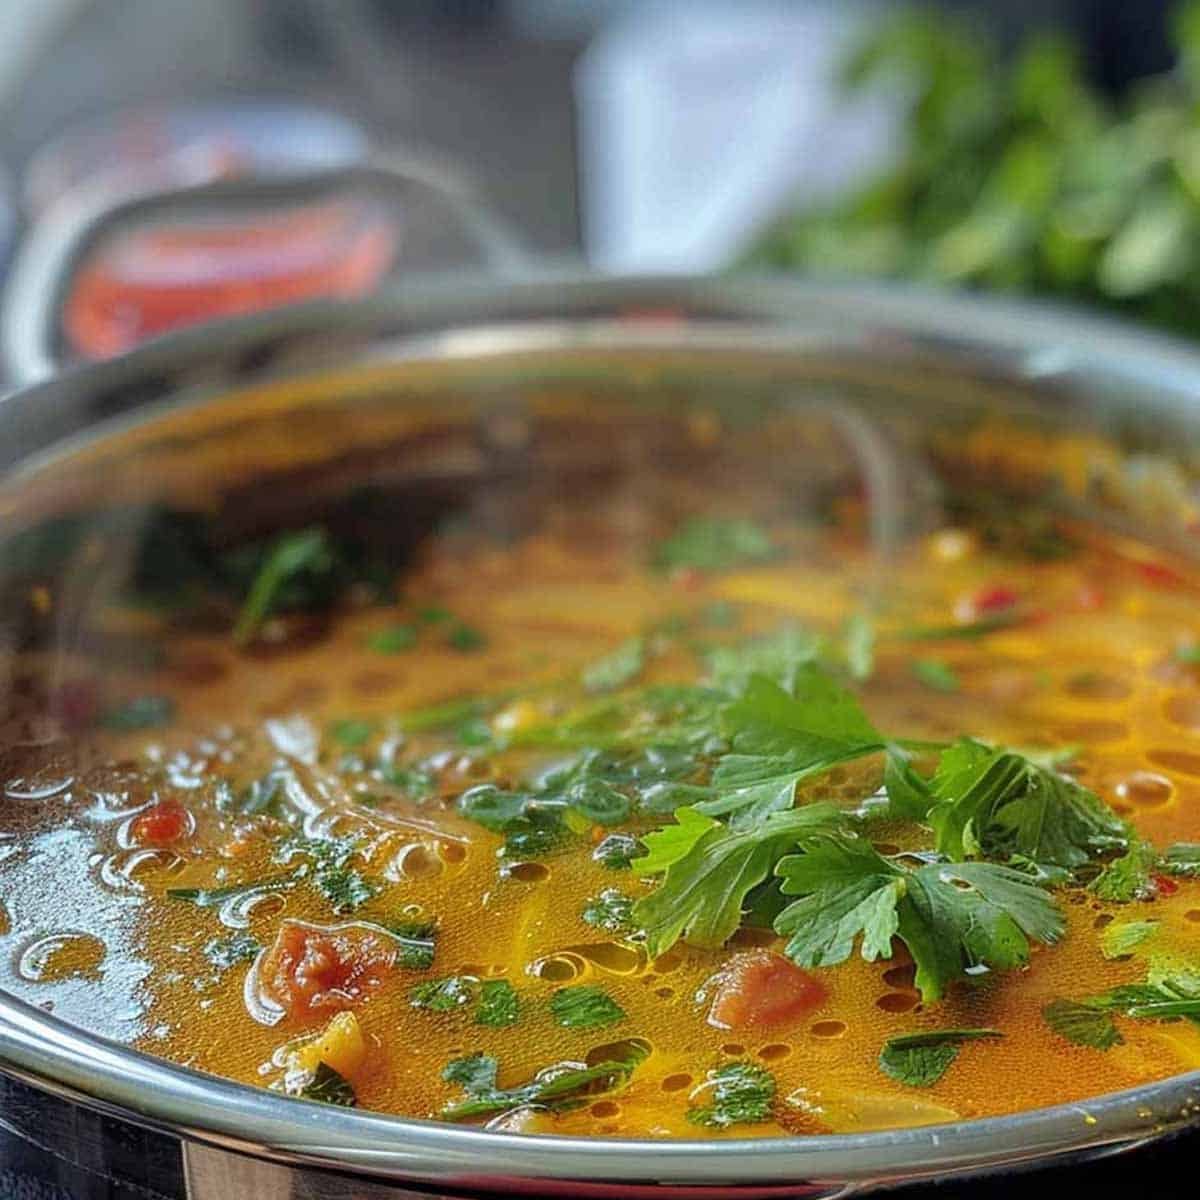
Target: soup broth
point(683, 791)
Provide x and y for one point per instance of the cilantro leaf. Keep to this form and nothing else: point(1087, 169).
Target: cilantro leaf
point(475, 1073)
point(708, 871)
point(140, 712)
point(1002, 804)
point(1165, 996)
point(1183, 858)
point(921, 1059)
point(1130, 877)
point(418, 942)
point(779, 739)
point(935, 674)
point(741, 1093)
point(344, 888)
point(215, 897)
point(351, 732)
point(498, 1004)
point(585, 1006)
point(395, 639)
point(557, 1087)
point(623, 665)
point(953, 917)
point(848, 890)
point(618, 851)
point(444, 995)
point(714, 544)
point(1082, 1024)
point(296, 570)
point(908, 792)
point(328, 1087)
point(1123, 937)
point(859, 647)
point(611, 911)
point(465, 638)
point(777, 656)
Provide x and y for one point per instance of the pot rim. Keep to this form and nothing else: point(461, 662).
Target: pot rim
point(1028, 341)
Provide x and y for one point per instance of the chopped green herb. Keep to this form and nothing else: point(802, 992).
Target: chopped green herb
point(714, 544)
point(739, 1093)
point(921, 1059)
point(1082, 1024)
point(418, 942)
point(444, 995)
point(466, 638)
point(142, 712)
point(1130, 877)
point(265, 795)
point(475, 1073)
point(415, 782)
point(611, 911)
point(297, 570)
point(585, 1007)
point(434, 614)
point(859, 647)
point(351, 732)
point(395, 639)
point(555, 1088)
point(344, 888)
point(623, 665)
point(779, 656)
point(1165, 996)
point(618, 850)
point(215, 897)
point(968, 630)
point(1003, 804)
point(226, 952)
point(498, 1004)
point(935, 674)
point(328, 1087)
point(1183, 858)
point(1123, 937)
point(955, 918)
point(448, 714)
point(720, 614)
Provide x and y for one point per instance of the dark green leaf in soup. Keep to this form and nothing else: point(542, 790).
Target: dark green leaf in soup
point(585, 1007)
point(921, 1059)
point(328, 1087)
point(498, 1005)
point(715, 544)
point(738, 1093)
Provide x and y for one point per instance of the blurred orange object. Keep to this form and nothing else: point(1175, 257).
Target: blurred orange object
point(143, 282)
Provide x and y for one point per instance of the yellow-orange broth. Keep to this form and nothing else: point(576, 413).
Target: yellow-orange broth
point(1095, 653)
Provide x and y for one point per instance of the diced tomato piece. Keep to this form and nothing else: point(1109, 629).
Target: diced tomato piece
point(1089, 597)
point(1165, 885)
point(162, 824)
point(758, 989)
point(995, 599)
point(313, 968)
point(1159, 575)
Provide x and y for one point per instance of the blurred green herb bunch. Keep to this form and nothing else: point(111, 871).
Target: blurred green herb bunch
point(1020, 175)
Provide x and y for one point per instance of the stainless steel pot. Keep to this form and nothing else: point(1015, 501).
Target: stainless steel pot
point(884, 347)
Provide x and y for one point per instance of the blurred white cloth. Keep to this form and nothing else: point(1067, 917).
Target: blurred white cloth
point(700, 122)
